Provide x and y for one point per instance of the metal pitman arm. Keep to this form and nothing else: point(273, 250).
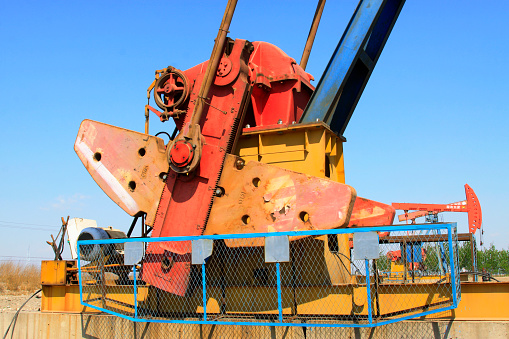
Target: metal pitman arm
point(352, 63)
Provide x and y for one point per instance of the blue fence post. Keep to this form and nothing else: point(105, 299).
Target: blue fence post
point(474, 258)
point(279, 300)
point(368, 292)
point(452, 266)
point(135, 293)
point(79, 273)
point(204, 289)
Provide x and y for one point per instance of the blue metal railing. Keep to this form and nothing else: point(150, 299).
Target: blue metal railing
point(455, 292)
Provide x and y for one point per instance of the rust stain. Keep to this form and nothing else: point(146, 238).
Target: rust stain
point(371, 213)
point(273, 199)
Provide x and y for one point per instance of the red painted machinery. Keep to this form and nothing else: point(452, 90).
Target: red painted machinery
point(195, 185)
point(470, 205)
point(255, 83)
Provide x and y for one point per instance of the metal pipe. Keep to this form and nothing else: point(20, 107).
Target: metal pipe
point(215, 57)
point(312, 34)
point(413, 261)
point(133, 224)
point(377, 285)
point(472, 252)
point(147, 115)
point(404, 262)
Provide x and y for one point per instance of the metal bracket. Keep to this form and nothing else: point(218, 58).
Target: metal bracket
point(201, 250)
point(366, 246)
point(277, 249)
point(133, 252)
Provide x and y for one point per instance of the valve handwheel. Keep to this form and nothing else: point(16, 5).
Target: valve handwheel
point(171, 89)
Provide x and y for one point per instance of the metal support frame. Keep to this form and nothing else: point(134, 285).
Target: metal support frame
point(352, 63)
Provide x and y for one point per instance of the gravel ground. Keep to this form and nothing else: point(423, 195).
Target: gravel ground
point(13, 302)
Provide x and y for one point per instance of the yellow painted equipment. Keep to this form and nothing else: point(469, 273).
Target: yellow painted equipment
point(480, 300)
point(279, 178)
point(305, 148)
point(311, 149)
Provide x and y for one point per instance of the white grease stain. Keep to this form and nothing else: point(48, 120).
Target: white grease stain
point(108, 178)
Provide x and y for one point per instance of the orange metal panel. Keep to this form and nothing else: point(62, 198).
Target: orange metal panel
point(257, 197)
point(53, 272)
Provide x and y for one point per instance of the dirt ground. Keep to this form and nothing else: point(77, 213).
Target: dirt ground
point(13, 302)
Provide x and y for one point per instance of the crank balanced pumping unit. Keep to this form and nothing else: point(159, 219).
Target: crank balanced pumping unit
point(245, 211)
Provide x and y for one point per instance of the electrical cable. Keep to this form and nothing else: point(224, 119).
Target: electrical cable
point(167, 134)
point(28, 228)
point(174, 134)
point(342, 263)
point(24, 223)
point(350, 261)
point(13, 321)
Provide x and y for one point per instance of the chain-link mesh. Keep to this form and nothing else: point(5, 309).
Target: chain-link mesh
point(314, 278)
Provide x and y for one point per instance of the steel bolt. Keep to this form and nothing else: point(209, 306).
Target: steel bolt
point(239, 164)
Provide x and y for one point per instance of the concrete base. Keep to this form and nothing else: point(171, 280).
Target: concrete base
point(62, 325)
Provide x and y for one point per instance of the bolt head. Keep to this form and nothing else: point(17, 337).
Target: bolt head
point(239, 164)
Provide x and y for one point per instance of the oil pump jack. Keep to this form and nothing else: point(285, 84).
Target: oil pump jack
point(257, 147)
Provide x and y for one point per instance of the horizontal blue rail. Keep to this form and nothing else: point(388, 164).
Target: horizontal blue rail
point(285, 324)
point(414, 227)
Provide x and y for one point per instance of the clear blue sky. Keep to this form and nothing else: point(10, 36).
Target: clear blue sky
point(433, 116)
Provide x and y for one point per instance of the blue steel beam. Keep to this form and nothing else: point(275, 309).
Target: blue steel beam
point(389, 228)
point(351, 64)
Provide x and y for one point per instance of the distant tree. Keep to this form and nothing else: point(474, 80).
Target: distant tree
point(493, 260)
point(383, 263)
point(465, 256)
